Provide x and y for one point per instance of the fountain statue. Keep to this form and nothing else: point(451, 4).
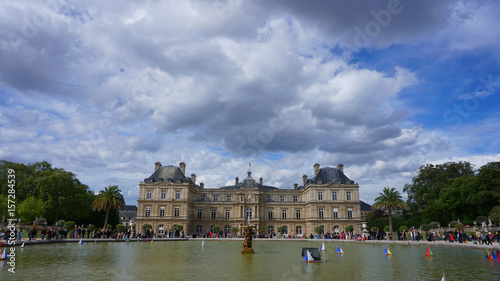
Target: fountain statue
point(247, 244)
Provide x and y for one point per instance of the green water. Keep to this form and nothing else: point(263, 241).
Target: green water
point(221, 260)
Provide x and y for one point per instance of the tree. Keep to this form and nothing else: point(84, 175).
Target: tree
point(426, 187)
point(235, 230)
point(120, 227)
point(319, 229)
point(107, 199)
point(281, 229)
point(146, 226)
point(215, 229)
point(69, 225)
point(30, 209)
point(388, 200)
point(349, 228)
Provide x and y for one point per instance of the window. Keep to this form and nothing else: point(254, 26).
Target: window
point(297, 214)
point(270, 214)
point(214, 212)
point(335, 213)
point(349, 213)
point(249, 213)
point(283, 214)
point(198, 229)
point(177, 194)
point(295, 198)
point(216, 198)
point(176, 211)
point(320, 213)
point(162, 211)
point(270, 229)
point(202, 198)
point(334, 195)
point(282, 198)
point(228, 214)
point(348, 197)
point(336, 229)
point(228, 198)
point(200, 213)
point(148, 211)
point(298, 230)
point(163, 194)
point(268, 198)
point(320, 196)
point(286, 229)
point(227, 229)
point(160, 229)
point(148, 196)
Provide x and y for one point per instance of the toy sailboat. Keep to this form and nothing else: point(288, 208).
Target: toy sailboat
point(339, 251)
point(409, 244)
point(80, 242)
point(4, 255)
point(387, 252)
point(202, 242)
point(493, 256)
point(308, 258)
point(22, 246)
point(444, 278)
point(429, 252)
point(488, 255)
point(322, 248)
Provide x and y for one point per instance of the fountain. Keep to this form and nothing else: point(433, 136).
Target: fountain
point(247, 244)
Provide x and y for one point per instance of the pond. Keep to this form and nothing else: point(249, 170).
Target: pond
point(222, 260)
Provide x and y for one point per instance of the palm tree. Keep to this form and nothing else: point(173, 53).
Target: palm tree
point(389, 199)
point(107, 199)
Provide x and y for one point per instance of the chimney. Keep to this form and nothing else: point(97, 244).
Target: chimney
point(193, 178)
point(157, 166)
point(295, 186)
point(182, 166)
point(304, 179)
point(261, 180)
point(202, 185)
point(340, 167)
point(236, 181)
point(316, 169)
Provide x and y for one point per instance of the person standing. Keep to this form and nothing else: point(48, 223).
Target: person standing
point(44, 231)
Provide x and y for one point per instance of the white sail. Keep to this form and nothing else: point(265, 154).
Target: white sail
point(4, 254)
point(202, 242)
point(309, 257)
point(22, 246)
point(322, 248)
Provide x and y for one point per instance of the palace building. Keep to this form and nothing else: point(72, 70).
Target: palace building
point(328, 198)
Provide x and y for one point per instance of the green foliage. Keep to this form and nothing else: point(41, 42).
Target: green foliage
point(453, 223)
point(120, 227)
point(434, 224)
point(459, 226)
point(40, 221)
point(281, 229)
point(349, 228)
point(215, 229)
point(70, 225)
point(403, 228)
point(374, 228)
point(441, 193)
point(107, 199)
point(386, 229)
point(60, 223)
point(91, 227)
point(261, 229)
point(425, 227)
point(495, 213)
point(110, 227)
point(30, 209)
point(235, 230)
point(388, 200)
point(146, 226)
point(319, 229)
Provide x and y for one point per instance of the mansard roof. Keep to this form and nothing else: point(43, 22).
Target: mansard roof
point(249, 182)
point(169, 174)
point(329, 175)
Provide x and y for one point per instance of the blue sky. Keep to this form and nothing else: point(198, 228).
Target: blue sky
point(107, 89)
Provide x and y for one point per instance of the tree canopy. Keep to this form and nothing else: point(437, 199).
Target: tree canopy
point(388, 200)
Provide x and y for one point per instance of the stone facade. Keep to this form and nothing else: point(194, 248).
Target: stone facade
point(169, 198)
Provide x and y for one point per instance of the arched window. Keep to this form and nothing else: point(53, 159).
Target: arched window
point(249, 213)
point(286, 229)
point(198, 229)
point(227, 229)
point(336, 229)
point(160, 229)
point(270, 229)
point(298, 229)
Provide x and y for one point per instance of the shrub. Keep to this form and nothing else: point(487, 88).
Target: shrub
point(374, 228)
point(91, 227)
point(386, 228)
point(40, 221)
point(60, 223)
point(425, 227)
point(215, 229)
point(180, 227)
point(452, 223)
point(403, 228)
point(120, 227)
point(434, 224)
point(69, 225)
point(349, 228)
point(146, 226)
point(459, 226)
point(319, 229)
point(235, 230)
